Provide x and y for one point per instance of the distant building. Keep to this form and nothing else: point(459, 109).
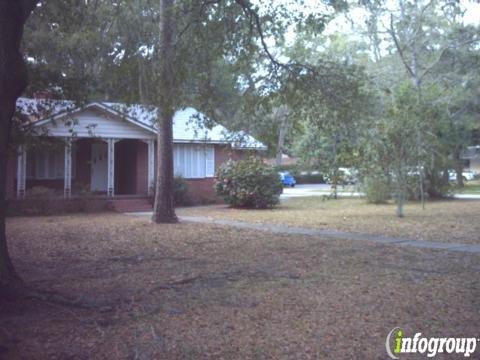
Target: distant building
point(472, 157)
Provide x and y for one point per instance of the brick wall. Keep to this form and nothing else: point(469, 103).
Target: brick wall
point(201, 191)
point(126, 167)
point(225, 152)
point(55, 206)
point(142, 168)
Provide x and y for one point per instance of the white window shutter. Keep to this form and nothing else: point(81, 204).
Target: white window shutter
point(209, 161)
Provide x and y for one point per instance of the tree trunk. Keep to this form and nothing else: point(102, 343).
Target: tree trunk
point(335, 168)
point(401, 184)
point(458, 166)
point(8, 276)
point(281, 139)
point(400, 202)
point(13, 80)
point(164, 207)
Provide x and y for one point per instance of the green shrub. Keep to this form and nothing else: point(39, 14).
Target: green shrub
point(248, 183)
point(437, 186)
point(41, 192)
point(180, 192)
point(377, 189)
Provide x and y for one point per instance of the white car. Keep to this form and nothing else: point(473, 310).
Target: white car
point(467, 175)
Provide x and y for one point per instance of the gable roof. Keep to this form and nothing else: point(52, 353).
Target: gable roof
point(471, 152)
point(188, 123)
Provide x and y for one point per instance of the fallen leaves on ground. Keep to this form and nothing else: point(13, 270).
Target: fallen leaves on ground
point(199, 291)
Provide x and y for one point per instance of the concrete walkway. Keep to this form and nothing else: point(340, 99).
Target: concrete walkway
point(281, 229)
point(335, 234)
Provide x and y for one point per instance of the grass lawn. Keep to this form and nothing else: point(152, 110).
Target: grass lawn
point(191, 291)
point(446, 221)
point(471, 187)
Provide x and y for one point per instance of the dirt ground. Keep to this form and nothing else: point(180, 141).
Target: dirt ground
point(191, 291)
point(455, 221)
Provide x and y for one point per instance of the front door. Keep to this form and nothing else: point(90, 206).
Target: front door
point(99, 168)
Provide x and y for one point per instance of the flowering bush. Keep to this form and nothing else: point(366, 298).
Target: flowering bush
point(248, 183)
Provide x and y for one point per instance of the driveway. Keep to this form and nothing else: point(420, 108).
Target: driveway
point(306, 190)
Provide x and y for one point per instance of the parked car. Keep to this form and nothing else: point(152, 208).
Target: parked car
point(287, 179)
point(349, 176)
point(467, 175)
point(345, 176)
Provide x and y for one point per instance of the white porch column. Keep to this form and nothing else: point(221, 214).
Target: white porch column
point(67, 179)
point(151, 166)
point(21, 171)
point(111, 167)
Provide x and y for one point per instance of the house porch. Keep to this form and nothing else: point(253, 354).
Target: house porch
point(87, 167)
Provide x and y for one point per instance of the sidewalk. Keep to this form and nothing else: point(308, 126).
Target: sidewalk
point(289, 230)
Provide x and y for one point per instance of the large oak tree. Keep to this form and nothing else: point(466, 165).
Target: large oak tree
point(13, 81)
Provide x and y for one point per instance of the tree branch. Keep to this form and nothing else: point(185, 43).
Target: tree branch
point(399, 48)
point(27, 7)
point(197, 18)
point(247, 8)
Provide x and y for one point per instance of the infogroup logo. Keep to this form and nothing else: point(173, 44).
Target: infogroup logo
point(397, 343)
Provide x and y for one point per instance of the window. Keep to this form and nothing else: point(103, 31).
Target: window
point(194, 161)
point(49, 164)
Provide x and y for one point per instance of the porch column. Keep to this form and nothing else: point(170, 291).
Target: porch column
point(151, 166)
point(111, 167)
point(67, 179)
point(21, 171)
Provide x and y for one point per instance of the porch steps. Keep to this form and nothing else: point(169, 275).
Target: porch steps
point(130, 205)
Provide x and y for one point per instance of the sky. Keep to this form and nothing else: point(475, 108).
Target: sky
point(471, 16)
point(341, 24)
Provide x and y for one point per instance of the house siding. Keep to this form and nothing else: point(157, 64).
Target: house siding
point(92, 123)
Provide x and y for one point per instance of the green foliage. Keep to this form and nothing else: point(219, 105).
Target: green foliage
point(180, 192)
point(377, 189)
point(248, 183)
point(181, 196)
